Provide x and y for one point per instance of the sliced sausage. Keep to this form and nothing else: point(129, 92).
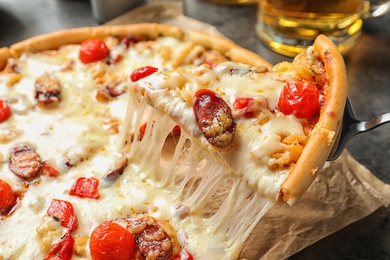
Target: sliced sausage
point(214, 118)
point(115, 171)
point(155, 240)
point(47, 90)
point(111, 89)
point(24, 161)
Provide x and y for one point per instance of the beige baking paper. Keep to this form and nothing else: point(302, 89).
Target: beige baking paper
point(343, 193)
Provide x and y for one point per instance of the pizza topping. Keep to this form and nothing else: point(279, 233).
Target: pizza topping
point(129, 39)
point(307, 65)
point(214, 118)
point(85, 188)
point(24, 161)
point(117, 52)
point(77, 154)
point(115, 170)
point(47, 232)
point(93, 50)
point(47, 90)
point(245, 103)
point(299, 98)
point(5, 111)
point(142, 72)
point(7, 196)
point(184, 255)
point(176, 130)
point(63, 211)
point(142, 130)
point(63, 250)
point(112, 241)
point(49, 170)
point(111, 89)
point(80, 245)
point(212, 58)
point(154, 240)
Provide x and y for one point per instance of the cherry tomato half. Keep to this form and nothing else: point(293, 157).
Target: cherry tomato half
point(5, 111)
point(85, 188)
point(300, 99)
point(64, 212)
point(93, 50)
point(63, 250)
point(7, 196)
point(111, 241)
point(142, 72)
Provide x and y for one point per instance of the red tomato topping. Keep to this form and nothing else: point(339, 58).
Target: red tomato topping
point(184, 255)
point(142, 130)
point(300, 99)
point(5, 111)
point(7, 196)
point(244, 103)
point(63, 250)
point(49, 170)
point(85, 188)
point(176, 130)
point(112, 241)
point(63, 211)
point(93, 50)
point(142, 72)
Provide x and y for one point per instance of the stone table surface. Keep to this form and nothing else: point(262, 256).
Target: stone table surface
point(368, 68)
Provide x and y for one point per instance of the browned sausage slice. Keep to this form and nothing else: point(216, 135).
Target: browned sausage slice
point(155, 240)
point(111, 89)
point(214, 118)
point(24, 161)
point(47, 90)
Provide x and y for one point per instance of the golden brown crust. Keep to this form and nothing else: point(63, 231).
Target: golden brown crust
point(322, 137)
point(77, 35)
point(228, 48)
point(54, 40)
point(4, 55)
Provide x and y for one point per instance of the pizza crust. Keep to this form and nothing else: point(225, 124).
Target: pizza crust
point(322, 138)
point(228, 48)
point(4, 55)
point(54, 40)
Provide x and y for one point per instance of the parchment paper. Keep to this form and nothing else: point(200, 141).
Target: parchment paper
point(344, 192)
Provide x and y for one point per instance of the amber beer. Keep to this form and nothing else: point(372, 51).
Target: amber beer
point(234, 2)
point(287, 26)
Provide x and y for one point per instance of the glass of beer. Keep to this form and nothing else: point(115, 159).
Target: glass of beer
point(288, 26)
point(234, 2)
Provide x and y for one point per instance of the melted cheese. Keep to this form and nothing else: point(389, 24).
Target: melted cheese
point(234, 187)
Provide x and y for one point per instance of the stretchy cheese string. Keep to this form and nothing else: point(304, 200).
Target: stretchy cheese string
point(194, 178)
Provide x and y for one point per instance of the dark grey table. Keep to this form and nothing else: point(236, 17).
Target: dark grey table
point(368, 67)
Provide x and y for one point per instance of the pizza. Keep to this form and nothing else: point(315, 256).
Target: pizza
point(146, 142)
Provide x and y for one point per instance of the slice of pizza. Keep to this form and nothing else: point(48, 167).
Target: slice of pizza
point(249, 136)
